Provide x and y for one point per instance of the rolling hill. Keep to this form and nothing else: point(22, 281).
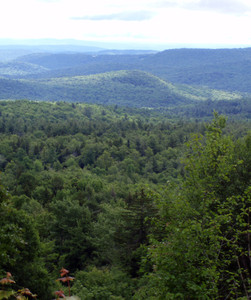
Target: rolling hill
point(190, 82)
point(224, 69)
point(127, 88)
point(20, 69)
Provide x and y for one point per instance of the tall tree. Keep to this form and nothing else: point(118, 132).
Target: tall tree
point(205, 251)
point(20, 249)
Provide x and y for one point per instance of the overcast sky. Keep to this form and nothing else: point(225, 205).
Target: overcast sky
point(206, 23)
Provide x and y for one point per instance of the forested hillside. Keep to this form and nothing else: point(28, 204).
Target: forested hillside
point(124, 88)
point(134, 203)
point(186, 82)
point(131, 89)
point(224, 69)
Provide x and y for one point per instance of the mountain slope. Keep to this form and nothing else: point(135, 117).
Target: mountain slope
point(225, 69)
point(127, 88)
point(57, 61)
point(20, 69)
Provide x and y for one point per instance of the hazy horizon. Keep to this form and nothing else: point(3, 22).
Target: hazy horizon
point(110, 45)
point(138, 24)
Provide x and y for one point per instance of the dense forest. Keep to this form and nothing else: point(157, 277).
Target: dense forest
point(136, 203)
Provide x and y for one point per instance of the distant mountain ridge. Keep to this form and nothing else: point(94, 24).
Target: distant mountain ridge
point(224, 69)
point(188, 81)
point(13, 51)
point(19, 69)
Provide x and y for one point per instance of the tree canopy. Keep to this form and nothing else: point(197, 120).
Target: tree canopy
point(136, 205)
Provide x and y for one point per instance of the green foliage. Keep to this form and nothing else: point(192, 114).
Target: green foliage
point(70, 230)
point(204, 252)
point(103, 284)
point(8, 293)
point(133, 232)
point(20, 249)
point(115, 195)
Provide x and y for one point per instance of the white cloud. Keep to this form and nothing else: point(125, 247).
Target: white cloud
point(222, 6)
point(122, 16)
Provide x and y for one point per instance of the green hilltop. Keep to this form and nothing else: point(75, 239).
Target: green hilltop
point(126, 88)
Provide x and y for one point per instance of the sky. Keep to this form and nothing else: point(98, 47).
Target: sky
point(135, 23)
